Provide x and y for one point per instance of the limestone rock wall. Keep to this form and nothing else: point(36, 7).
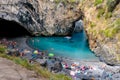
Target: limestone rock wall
point(102, 24)
point(40, 17)
point(24, 12)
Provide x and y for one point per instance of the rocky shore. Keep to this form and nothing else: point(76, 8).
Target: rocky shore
point(49, 17)
point(56, 17)
point(95, 69)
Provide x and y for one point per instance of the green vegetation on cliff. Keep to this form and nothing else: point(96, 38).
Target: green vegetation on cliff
point(98, 2)
point(111, 4)
point(100, 12)
point(2, 49)
point(106, 9)
point(113, 29)
point(102, 23)
point(65, 1)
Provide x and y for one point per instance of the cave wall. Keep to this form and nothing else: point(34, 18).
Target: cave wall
point(40, 17)
point(23, 12)
point(11, 29)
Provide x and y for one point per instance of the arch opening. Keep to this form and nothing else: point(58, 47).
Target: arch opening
point(11, 29)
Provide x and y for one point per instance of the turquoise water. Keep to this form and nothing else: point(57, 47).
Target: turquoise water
point(75, 48)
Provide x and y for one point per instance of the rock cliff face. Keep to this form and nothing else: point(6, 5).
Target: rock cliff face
point(55, 17)
point(102, 23)
point(40, 17)
point(23, 12)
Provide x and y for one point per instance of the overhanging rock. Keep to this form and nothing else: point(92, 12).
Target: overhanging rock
point(22, 11)
point(40, 17)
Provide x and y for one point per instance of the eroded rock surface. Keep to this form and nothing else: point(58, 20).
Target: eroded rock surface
point(40, 17)
point(102, 24)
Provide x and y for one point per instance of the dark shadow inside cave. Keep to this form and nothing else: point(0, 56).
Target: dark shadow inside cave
point(11, 29)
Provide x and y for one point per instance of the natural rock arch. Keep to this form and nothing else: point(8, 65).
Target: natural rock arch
point(23, 12)
point(40, 17)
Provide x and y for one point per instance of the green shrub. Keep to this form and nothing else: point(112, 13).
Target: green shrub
point(117, 22)
point(111, 4)
point(2, 48)
point(57, 1)
point(108, 15)
point(108, 32)
point(92, 24)
point(6, 56)
point(72, 1)
point(113, 29)
point(116, 25)
point(100, 12)
point(23, 62)
point(98, 2)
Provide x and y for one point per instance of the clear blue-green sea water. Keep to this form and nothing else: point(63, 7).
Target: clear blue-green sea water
point(76, 47)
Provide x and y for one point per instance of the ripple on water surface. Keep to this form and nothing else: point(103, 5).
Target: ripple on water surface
point(75, 47)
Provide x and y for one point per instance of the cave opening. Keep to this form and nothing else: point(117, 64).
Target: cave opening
point(11, 29)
